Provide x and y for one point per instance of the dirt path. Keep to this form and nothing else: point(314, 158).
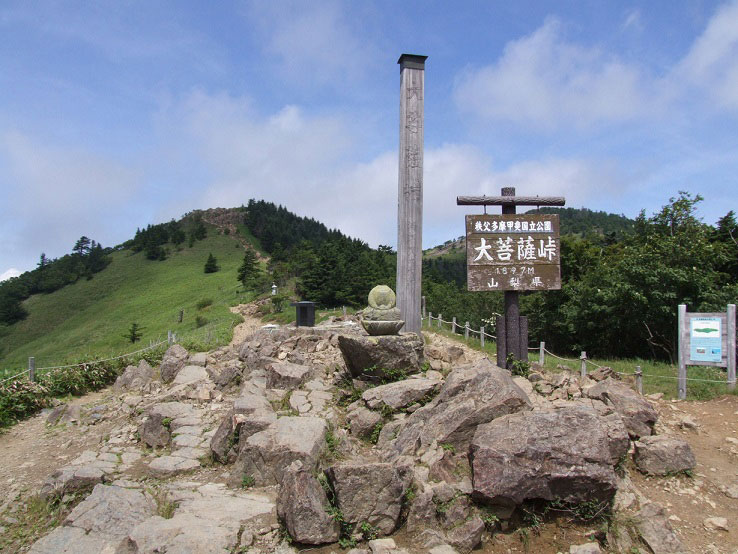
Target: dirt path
point(251, 322)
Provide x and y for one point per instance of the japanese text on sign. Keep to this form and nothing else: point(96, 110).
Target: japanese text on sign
point(513, 252)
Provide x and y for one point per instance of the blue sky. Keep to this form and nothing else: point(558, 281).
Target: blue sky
point(118, 114)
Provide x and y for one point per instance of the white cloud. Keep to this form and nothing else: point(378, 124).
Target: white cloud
point(53, 195)
point(544, 82)
point(10, 273)
point(712, 62)
point(633, 20)
point(314, 42)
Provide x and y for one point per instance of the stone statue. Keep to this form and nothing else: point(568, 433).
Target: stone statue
point(382, 317)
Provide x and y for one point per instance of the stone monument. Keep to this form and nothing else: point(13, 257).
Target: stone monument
point(382, 317)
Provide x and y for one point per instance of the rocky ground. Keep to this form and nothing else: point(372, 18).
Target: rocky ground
point(316, 439)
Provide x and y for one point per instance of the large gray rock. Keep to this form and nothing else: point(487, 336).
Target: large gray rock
point(654, 528)
point(470, 397)
point(251, 413)
point(191, 374)
point(401, 394)
point(363, 421)
point(660, 455)
point(69, 480)
point(64, 413)
point(371, 492)
point(382, 356)
point(174, 359)
point(559, 454)
point(304, 508)
point(265, 455)
point(156, 430)
point(135, 377)
point(635, 411)
point(286, 375)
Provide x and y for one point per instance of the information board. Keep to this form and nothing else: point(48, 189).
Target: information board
point(513, 252)
point(705, 339)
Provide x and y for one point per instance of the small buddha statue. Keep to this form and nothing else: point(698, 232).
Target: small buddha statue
point(382, 317)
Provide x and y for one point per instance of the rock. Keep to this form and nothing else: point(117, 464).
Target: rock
point(688, 423)
point(72, 540)
point(656, 531)
point(166, 466)
point(716, 524)
point(637, 414)
point(467, 536)
point(600, 374)
point(207, 519)
point(190, 374)
point(173, 361)
point(303, 507)
point(661, 455)
point(470, 396)
point(558, 454)
point(70, 479)
point(731, 491)
point(586, 548)
point(156, 430)
point(135, 377)
point(401, 394)
point(64, 413)
point(443, 549)
point(286, 375)
point(198, 358)
point(363, 422)
point(265, 455)
point(369, 492)
point(381, 357)
point(111, 511)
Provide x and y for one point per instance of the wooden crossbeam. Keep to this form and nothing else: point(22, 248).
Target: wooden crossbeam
point(510, 201)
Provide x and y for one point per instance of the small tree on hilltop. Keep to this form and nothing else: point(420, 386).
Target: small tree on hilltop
point(134, 333)
point(211, 266)
point(249, 269)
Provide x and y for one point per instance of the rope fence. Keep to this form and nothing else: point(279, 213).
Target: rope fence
point(429, 320)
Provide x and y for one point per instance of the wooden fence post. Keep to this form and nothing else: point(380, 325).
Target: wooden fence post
point(731, 346)
point(170, 337)
point(422, 304)
point(466, 331)
point(583, 369)
point(430, 318)
point(481, 336)
point(344, 310)
point(542, 354)
point(32, 369)
point(683, 334)
point(181, 315)
point(439, 321)
point(639, 379)
point(453, 325)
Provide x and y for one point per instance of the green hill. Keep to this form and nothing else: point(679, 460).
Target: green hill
point(88, 319)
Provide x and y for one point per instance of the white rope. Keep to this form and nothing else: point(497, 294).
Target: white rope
point(14, 376)
point(105, 360)
point(559, 357)
point(490, 336)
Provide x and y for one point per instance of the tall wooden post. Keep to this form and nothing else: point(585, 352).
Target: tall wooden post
point(512, 299)
point(32, 369)
point(731, 347)
point(683, 334)
point(410, 190)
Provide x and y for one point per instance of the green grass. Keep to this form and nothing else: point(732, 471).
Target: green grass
point(658, 377)
point(87, 320)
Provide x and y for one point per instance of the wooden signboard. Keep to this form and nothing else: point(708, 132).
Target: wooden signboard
point(513, 252)
point(706, 339)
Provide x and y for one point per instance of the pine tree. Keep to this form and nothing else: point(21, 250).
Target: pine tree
point(211, 265)
point(249, 269)
point(134, 333)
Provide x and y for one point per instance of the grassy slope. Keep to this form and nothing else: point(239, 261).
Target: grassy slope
point(87, 319)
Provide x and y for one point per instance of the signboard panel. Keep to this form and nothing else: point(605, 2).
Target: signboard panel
point(705, 339)
point(513, 252)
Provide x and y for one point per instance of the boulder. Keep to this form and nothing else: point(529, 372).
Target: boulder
point(198, 358)
point(304, 508)
point(401, 394)
point(265, 455)
point(661, 455)
point(381, 357)
point(286, 375)
point(363, 421)
point(70, 480)
point(586, 548)
point(636, 412)
point(111, 511)
point(466, 536)
point(64, 413)
point(156, 430)
point(470, 397)
point(558, 454)
point(653, 525)
point(191, 374)
point(173, 360)
point(251, 413)
point(135, 377)
point(370, 492)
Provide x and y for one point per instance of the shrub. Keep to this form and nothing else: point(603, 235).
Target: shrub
point(200, 321)
point(204, 303)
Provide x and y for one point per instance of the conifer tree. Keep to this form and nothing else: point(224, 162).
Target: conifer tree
point(249, 269)
point(211, 265)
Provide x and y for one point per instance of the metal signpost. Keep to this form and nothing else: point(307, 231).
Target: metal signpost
point(512, 253)
point(706, 339)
